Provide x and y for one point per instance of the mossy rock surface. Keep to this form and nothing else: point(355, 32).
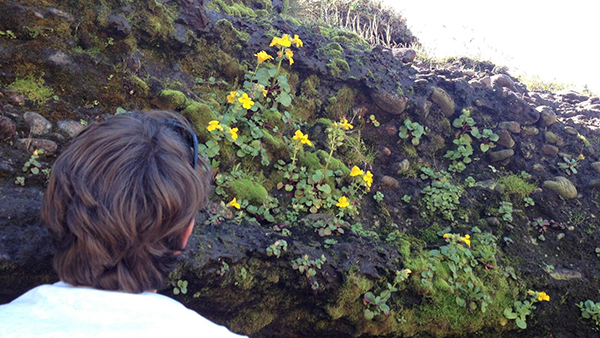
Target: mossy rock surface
point(245, 189)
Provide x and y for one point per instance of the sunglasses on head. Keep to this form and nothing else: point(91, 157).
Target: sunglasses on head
point(188, 135)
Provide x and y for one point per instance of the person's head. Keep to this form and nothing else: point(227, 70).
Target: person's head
point(122, 199)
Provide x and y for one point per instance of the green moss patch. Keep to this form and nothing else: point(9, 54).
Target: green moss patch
point(245, 189)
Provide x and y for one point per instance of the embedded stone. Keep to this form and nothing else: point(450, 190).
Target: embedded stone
point(391, 103)
point(596, 166)
point(32, 144)
point(562, 186)
point(564, 274)
point(504, 139)
point(7, 128)
point(594, 183)
point(549, 150)
point(403, 166)
point(405, 54)
point(390, 182)
point(71, 128)
point(504, 81)
point(500, 155)
point(444, 100)
point(571, 131)
point(530, 131)
point(547, 116)
point(38, 125)
point(512, 126)
point(553, 138)
point(119, 25)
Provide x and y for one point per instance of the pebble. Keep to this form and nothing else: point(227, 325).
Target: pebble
point(553, 138)
point(512, 126)
point(7, 128)
point(38, 125)
point(547, 116)
point(500, 155)
point(596, 166)
point(390, 182)
point(33, 144)
point(504, 139)
point(549, 150)
point(69, 127)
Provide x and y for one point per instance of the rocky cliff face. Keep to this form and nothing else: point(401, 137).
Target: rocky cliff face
point(481, 189)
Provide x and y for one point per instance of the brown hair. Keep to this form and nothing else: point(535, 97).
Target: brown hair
point(119, 200)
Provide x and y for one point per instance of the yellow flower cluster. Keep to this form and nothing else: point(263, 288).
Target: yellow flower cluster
point(368, 177)
point(303, 138)
point(344, 124)
point(263, 56)
point(543, 296)
point(234, 203)
point(466, 240)
point(342, 202)
point(284, 43)
point(214, 125)
point(246, 101)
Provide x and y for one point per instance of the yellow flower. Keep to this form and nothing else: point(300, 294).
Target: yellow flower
point(265, 92)
point(263, 56)
point(344, 124)
point(231, 97)
point(289, 54)
point(446, 236)
point(303, 138)
point(342, 202)
point(408, 271)
point(581, 157)
point(213, 125)
point(368, 178)
point(543, 296)
point(297, 41)
point(234, 203)
point(35, 153)
point(247, 102)
point(233, 133)
point(284, 41)
point(466, 239)
point(356, 172)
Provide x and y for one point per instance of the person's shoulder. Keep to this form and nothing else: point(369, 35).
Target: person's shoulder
point(186, 320)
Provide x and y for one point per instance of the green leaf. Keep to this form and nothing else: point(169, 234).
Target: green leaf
point(176, 291)
point(369, 314)
point(461, 302)
point(325, 188)
point(263, 76)
point(285, 99)
point(35, 170)
point(509, 314)
point(289, 187)
point(521, 323)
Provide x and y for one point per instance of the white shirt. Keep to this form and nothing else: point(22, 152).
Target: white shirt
point(61, 310)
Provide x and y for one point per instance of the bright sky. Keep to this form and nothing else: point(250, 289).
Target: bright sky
point(555, 40)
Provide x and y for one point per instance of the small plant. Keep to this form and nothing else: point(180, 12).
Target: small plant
point(307, 266)
point(330, 227)
point(528, 201)
point(523, 309)
point(32, 164)
point(487, 138)
point(378, 196)
point(277, 248)
point(376, 305)
point(20, 180)
point(441, 195)
point(591, 310)
point(412, 130)
point(180, 287)
point(570, 165)
point(506, 209)
point(374, 120)
point(597, 250)
point(406, 198)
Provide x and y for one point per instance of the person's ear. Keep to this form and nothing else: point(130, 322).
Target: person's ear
point(186, 236)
